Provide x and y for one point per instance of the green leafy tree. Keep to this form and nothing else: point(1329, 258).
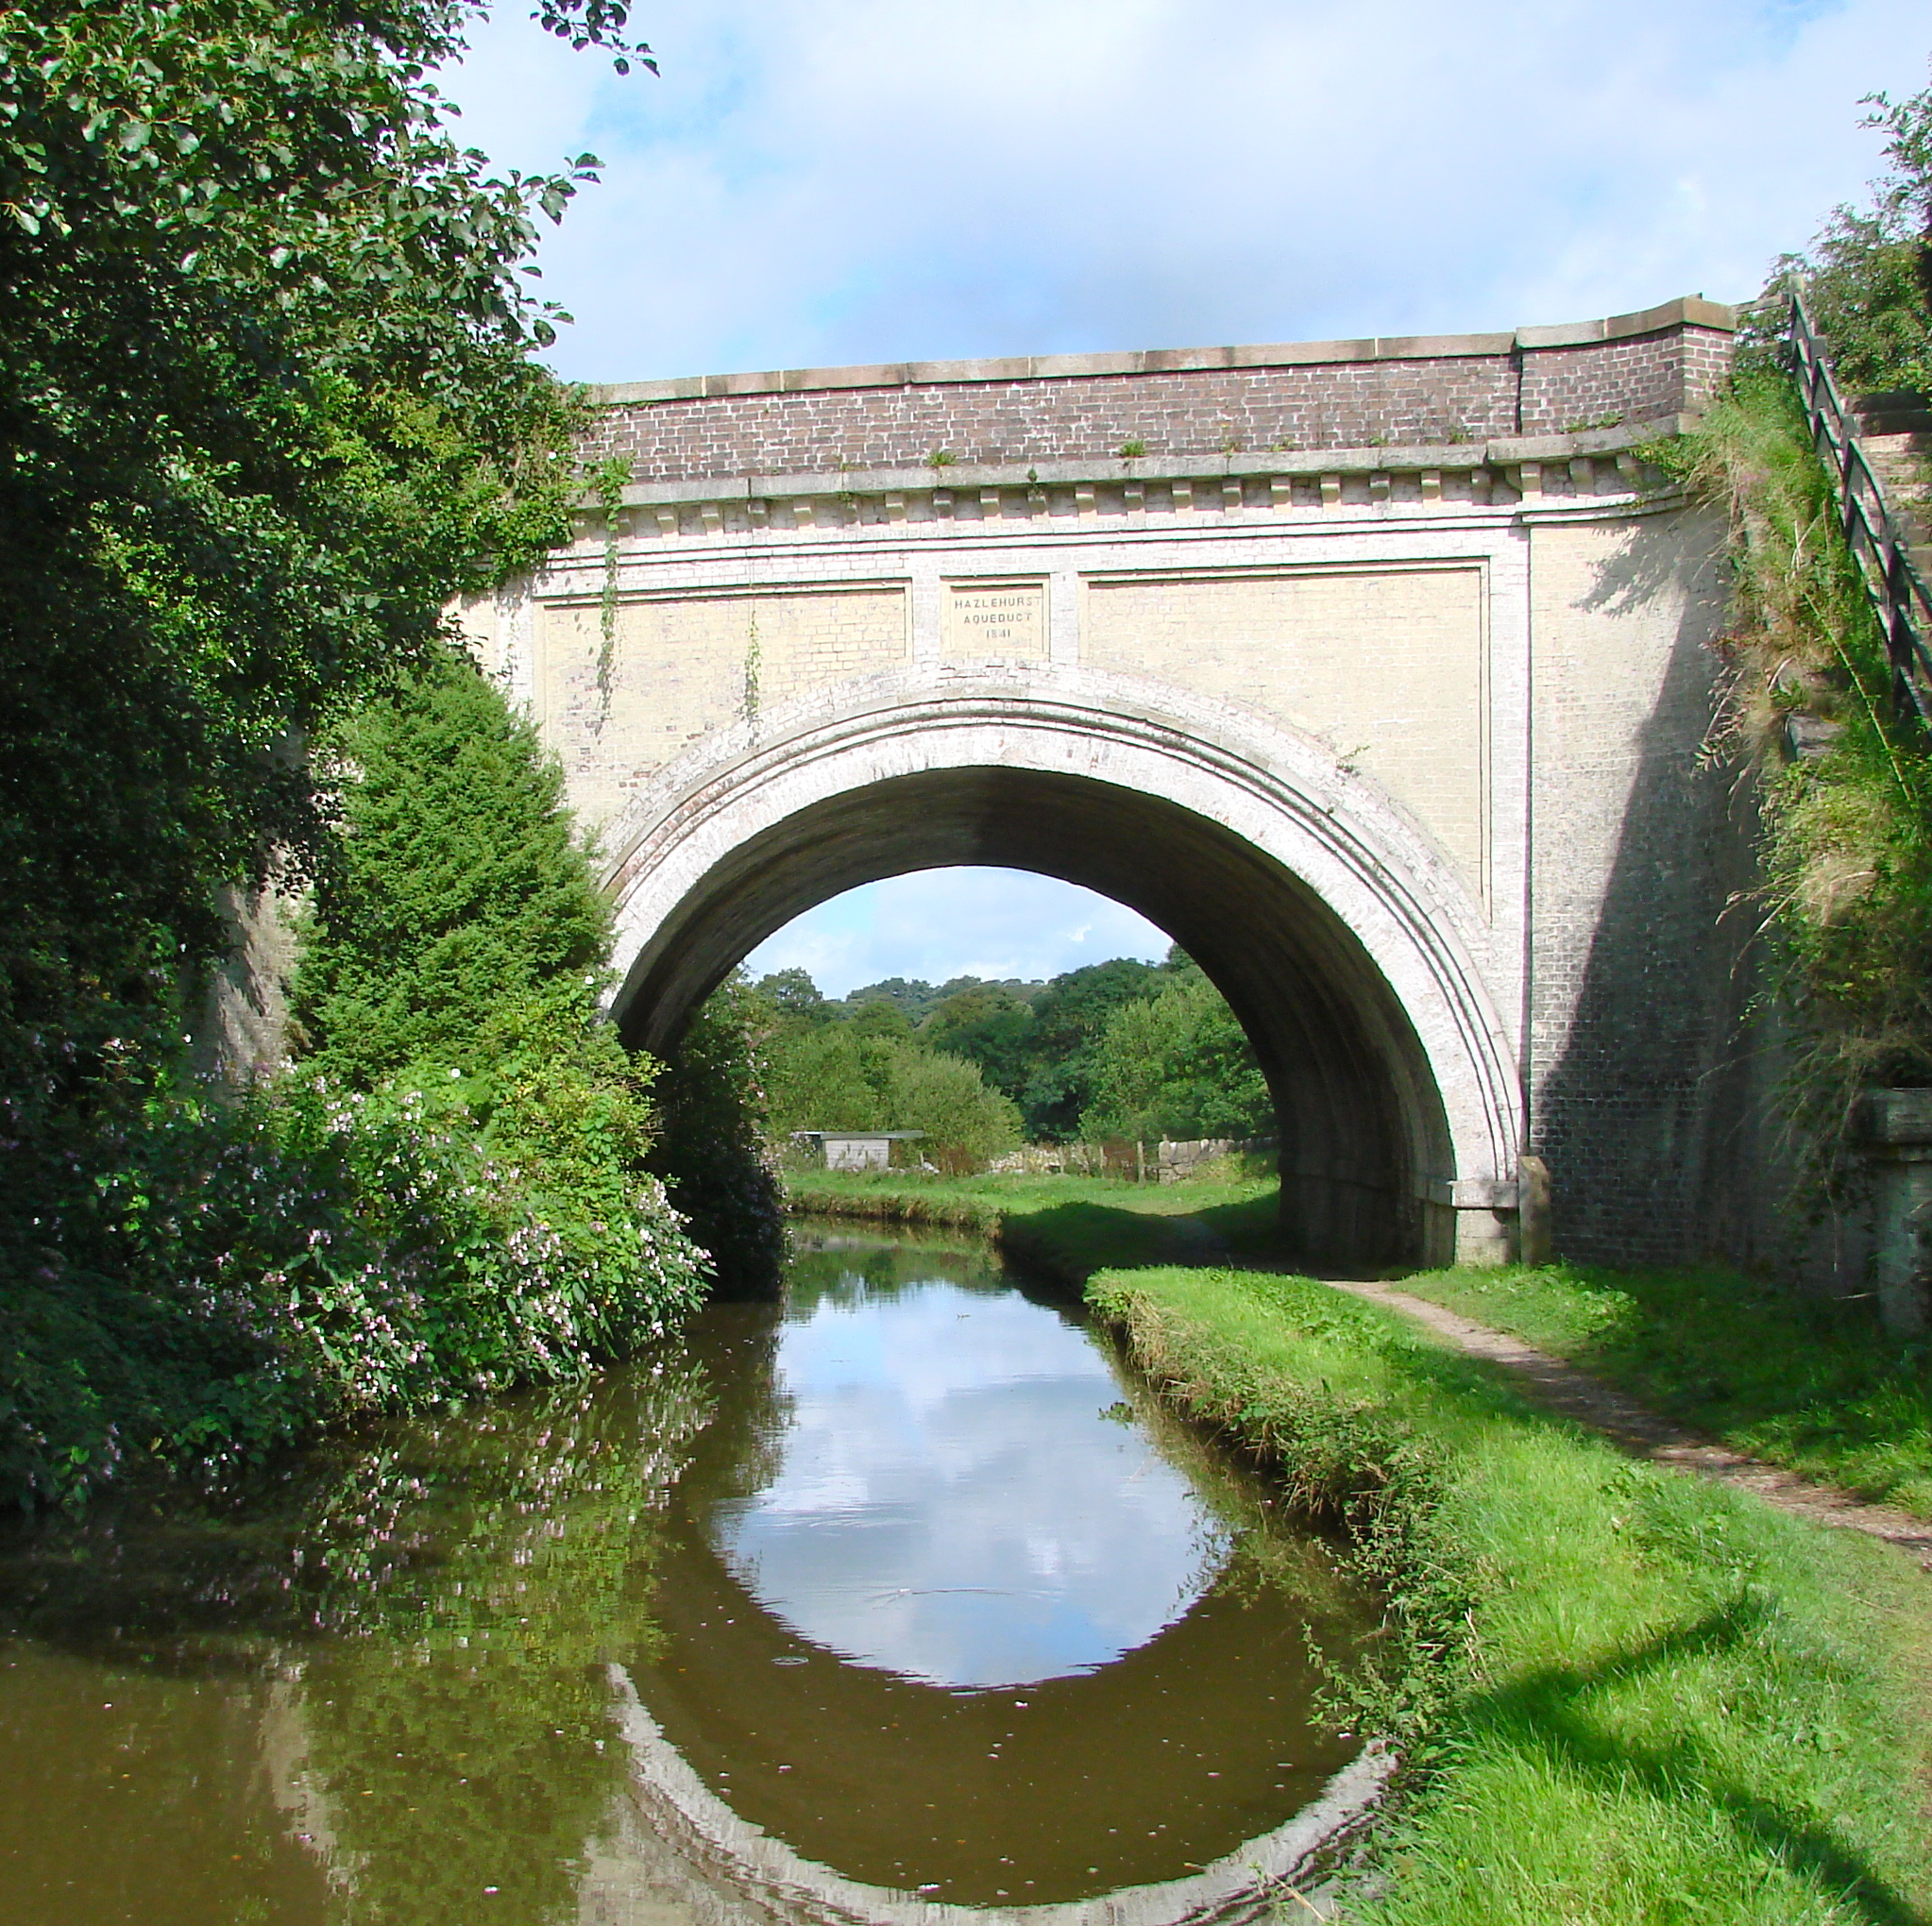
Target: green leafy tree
point(826, 1078)
point(267, 403)
point(1868, 277)
point(793, 996)
point(989, 1025)
point(966, 1124)
point(1178, 1065)
point(1068, 1020)
point(457, 890)
point(841, 1076)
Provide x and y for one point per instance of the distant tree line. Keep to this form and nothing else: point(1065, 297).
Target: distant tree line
point(1120, 1049)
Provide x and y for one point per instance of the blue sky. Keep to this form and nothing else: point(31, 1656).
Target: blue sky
point(857, 180)
point(941, 923)
point(814, 182)
point(951, 1503)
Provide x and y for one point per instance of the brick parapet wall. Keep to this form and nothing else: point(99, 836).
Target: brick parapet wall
point(1673, 371)
point(1177, 405)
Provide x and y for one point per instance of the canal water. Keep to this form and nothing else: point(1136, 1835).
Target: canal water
point(901, 1596)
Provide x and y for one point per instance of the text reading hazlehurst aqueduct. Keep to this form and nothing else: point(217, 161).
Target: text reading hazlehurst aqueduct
point(1375, 672)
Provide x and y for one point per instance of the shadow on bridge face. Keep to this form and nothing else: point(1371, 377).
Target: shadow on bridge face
point(1362, 1121)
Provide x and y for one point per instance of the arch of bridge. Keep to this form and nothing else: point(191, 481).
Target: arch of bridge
point(1343, 941)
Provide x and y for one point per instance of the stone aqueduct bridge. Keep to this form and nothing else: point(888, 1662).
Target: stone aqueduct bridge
point(1374, 672)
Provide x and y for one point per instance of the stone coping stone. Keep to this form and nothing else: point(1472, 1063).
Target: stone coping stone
point(969, 478)
point(1897, 1116)
point(1690, 311)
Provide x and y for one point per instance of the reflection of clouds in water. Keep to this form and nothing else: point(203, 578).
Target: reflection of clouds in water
point(950, 1503)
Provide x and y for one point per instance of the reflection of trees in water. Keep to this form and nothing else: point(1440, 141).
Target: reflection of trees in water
point(735, 1345)
point(458, 1723)
point(847, 1269)
point(440, 1599)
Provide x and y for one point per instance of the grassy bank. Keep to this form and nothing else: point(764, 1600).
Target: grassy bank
point(1064, 1227)
point(1629, 1697)
point(1815, 1386)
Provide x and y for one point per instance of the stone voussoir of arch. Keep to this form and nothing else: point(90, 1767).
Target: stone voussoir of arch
point(1284, 794)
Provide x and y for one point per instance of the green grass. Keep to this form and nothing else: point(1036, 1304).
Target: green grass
point(1063, 1228)
point(1815, 1386)
point(1630, 1697)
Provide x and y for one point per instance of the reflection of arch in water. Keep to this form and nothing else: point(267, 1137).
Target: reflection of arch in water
point(691, 1847)
point(1343, 941)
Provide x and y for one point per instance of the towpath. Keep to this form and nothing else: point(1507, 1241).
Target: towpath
point(1561, 1387)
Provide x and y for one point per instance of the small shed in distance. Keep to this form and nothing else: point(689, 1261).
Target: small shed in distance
point(855, 1150)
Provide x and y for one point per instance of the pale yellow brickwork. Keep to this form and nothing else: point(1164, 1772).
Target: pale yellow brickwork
point(682, 667)
point(1385, 666)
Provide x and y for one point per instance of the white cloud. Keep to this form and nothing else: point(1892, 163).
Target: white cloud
point(884, 179)
point(949, 1503)
point(967, 922)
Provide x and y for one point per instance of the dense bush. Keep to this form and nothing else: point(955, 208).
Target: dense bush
point(458, 945)
point(266, 375)
point(224, 1275)
point(1178, 1065)
point(450, 1196)
point(873, 1075)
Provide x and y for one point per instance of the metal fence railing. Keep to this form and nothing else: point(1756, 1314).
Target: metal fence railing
point(1898, 593)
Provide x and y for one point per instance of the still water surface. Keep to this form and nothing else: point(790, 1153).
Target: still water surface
point(908, 1574)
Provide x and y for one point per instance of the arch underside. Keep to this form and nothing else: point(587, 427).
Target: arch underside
point(1364, 1139)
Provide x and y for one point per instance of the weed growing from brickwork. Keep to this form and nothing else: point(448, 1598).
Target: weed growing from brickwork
point(608, 482)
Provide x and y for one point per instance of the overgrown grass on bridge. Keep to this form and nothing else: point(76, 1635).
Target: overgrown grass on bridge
point(1627, 1694)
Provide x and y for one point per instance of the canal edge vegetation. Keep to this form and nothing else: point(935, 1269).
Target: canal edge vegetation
point(1808, 1384)
point(268, 354)
point(445, 1194)
point(1617, 1690)
point(1620, 1692)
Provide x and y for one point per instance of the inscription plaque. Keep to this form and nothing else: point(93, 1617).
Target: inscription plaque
point(994, 618)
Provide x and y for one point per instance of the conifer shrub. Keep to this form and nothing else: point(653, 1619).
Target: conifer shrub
point(457, 949)
point(1178, 1065)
